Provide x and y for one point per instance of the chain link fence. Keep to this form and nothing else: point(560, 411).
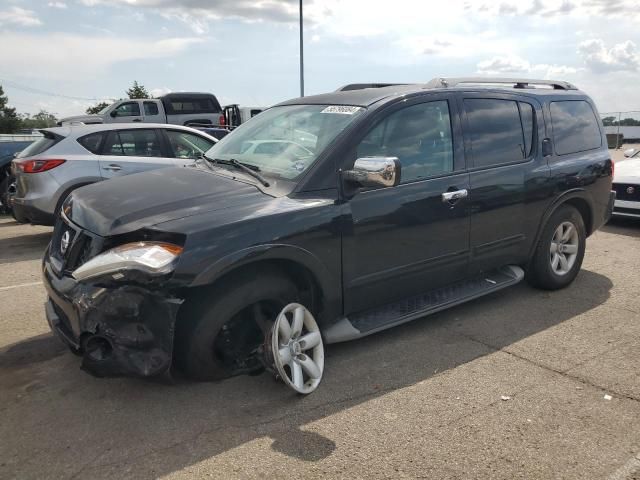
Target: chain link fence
point(622, 128)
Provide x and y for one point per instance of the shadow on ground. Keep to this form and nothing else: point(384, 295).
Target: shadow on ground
point(33, 350)
point(140, 423)
point(25, 247)
point(629, 227)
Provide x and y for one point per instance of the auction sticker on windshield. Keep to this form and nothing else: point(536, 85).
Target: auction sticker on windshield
point(343, 109)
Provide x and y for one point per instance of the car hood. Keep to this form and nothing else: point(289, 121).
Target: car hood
point(81, 118)
point(129, 203)
point(627, 171)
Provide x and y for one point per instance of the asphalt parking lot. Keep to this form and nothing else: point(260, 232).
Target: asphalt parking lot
point(515, 385)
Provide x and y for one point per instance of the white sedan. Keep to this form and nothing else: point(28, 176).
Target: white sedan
point(626, 183)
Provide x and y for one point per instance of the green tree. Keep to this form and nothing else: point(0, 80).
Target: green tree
point(629, 122)
point(42, 119)
point(96, 108)
point(625, 122)
point(9, 120)
point(138, 91)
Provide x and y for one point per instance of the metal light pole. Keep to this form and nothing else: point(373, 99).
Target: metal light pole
point(301, 56)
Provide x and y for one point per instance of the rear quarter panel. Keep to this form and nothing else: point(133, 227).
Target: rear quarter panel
point(586, 175)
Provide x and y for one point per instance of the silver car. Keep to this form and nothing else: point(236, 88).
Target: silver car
point(69, 157)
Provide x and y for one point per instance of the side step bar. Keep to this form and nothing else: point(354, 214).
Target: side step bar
point(372, 321)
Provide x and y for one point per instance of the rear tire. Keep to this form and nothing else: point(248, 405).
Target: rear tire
point(210, 335)
point(4, 192)
point(558, 256)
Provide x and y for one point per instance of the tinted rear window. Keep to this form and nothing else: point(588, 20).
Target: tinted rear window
point(41, 145)
point(575, 127)
point(528, 115)
point(186, 104)
point(92, 142)
point(496, 131)
point(150, 108)
point(204, 105)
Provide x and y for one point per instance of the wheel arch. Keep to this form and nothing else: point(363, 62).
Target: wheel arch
point(300, 265)
point(69, 187)
point(580, 200)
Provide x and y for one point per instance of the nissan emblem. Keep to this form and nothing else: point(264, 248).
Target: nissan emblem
point(64, 242)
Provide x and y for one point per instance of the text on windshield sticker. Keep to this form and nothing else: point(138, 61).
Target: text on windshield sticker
point(343, 109)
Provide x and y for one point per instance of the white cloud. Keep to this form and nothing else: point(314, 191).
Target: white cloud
point(60, 5)
point(157, 92)
point(20, 17)
point(516, 65)
point(81, 56)
point(500, 65)
point(551, 8)
point(600, 59)
point(197, 14)
point(450, 45)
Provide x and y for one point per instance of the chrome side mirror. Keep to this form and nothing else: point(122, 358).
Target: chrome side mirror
point(630, 152)
point(375, 172)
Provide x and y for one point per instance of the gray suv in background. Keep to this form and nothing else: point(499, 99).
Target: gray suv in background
point(69, 157)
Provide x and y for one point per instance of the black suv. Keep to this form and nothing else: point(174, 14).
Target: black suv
point(326, 219)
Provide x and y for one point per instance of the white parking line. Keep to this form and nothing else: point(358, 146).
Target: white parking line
point(11, 287)
point(627, 470)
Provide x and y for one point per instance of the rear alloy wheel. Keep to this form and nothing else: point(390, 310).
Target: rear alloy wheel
point(558, 255)
point(297, 349)
point(564, 248)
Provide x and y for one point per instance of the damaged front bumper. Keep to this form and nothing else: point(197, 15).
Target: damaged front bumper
point(119, 329)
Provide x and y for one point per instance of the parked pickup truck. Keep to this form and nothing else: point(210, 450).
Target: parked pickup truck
point(176, 108)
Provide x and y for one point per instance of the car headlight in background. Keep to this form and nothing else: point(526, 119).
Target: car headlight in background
point(153, 258)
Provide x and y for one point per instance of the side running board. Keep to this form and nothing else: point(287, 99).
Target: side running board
point(372, 321)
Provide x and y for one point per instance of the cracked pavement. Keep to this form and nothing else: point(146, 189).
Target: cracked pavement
point(424, 400)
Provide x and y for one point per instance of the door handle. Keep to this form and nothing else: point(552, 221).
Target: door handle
point(113, 167)
point(136, 120)
point(453, 197)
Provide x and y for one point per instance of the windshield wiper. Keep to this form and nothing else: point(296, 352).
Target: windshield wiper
point(204, 160)
point(251, 170)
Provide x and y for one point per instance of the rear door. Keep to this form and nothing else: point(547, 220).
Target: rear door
point(508, 176)
point(153, 112)
point(127, 112)
point(132, 151)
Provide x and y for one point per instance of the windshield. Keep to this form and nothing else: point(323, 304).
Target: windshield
point(104, 110)
point(285, 141)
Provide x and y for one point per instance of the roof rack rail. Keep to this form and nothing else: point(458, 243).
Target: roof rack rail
point(360, 86)
point(516, 82)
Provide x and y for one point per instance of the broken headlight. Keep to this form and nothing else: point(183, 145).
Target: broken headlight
point(153, 258)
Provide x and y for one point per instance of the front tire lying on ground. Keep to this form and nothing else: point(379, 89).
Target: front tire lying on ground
point(558, 256)
point(296, 350)
point(229, 330)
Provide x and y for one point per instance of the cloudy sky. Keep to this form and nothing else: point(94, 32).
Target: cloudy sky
point(58, 55)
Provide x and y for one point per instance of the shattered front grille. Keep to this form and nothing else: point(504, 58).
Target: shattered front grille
point(80, 248)
point(79, 251)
